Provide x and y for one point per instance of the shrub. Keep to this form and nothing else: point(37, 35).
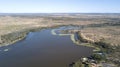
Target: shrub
point(98, 57)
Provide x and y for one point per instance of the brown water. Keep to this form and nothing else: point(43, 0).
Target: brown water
point(42, 49)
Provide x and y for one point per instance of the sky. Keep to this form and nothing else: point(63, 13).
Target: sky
point(59, 6)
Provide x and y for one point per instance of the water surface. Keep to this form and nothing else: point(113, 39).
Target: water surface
point(42, 49)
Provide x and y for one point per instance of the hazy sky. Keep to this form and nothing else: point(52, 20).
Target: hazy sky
point(59, 6)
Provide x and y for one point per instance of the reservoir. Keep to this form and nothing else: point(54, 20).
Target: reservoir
point(42, 49)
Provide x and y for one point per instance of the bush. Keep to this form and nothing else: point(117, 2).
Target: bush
point(78, 64)
point(98, 57)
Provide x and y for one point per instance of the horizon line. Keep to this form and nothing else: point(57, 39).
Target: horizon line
point(55, 12)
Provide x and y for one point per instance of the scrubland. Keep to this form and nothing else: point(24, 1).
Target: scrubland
point(96, 28)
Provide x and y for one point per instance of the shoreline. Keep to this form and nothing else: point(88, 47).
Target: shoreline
point(80, 38)
point(13, 37)
point(101, 49)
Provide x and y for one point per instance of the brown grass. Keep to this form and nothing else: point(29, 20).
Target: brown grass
point(110, 34)
point(9, 24)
